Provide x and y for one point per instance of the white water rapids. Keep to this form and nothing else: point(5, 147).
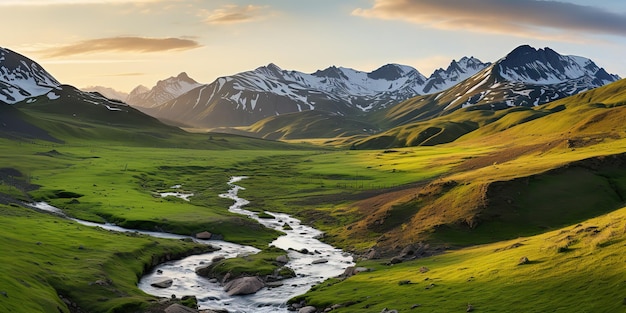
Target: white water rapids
point(211, 295)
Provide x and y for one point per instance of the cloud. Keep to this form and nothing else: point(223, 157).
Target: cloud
point(129, 44)
point(66, 2)
point(528, 18)
point(231, 14)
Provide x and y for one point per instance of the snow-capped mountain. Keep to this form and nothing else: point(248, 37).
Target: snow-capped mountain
point(525, 77)
point(164, 90)
point(247, 97)
point(545, 67)
point(24, 83)
point(353, 88)
point(107, 92)
point(21, 78)
point(455, 73)
point(530, 77)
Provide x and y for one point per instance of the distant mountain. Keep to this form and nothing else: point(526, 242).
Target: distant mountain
point(524, 77)
point(267, 91)
point(21, 78)
point(164, 90)
point(455, 73)
point(107, 92)
point(34, 105)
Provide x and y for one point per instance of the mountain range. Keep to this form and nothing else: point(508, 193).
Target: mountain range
point(273, 103)
point(524, 77)
point(245, 98)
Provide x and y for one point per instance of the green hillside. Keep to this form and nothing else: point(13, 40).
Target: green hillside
point(479, 190)
point(555, 118)
point(577, 268)
point(309, 124)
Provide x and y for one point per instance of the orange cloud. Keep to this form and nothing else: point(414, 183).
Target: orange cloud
point(231, 14)
point(528, 18)
point(129, 44)
point(67, 2)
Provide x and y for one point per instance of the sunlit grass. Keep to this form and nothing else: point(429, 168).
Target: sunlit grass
point(586, 277)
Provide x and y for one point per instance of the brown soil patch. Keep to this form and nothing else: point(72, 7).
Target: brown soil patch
point(506, 154)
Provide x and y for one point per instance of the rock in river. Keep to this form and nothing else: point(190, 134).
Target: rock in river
point(244, 286)
point(319, 261)
point(204, 235)
point(164, 283)
point(178, 308)
point(308, 309)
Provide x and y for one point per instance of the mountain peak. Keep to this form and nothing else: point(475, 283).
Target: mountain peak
point(183, 76)
point(545, 66)
point(107, 92)
point(391, 72)
point(270, 70)
point(163, 91)
point(274, 67)
point(457, 71)
point(21, 77)
point(139, 89)
point(331, 72)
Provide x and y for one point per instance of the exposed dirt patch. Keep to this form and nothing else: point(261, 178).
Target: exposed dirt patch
point(505, 155)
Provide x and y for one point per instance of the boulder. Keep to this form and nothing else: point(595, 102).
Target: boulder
point(319, 261)
point(282, 259)
point(307, 309)
point(205, 235)
point(204, 270)
point(179, 308)
point(351, 271)
point(371, 254)
point(523, 260)
point(244, 286)
point(396, 260)
point(163, 283)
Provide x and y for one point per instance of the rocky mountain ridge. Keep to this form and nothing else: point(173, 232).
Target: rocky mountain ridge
point(248, 97)
point(22, 78)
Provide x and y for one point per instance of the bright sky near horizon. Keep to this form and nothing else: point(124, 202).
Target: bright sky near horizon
point(124, 43)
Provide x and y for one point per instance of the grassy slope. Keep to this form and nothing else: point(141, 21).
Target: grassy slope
point(408, 130)
point(578, 268)
point(46, 256)
point(308, 124)
point(118, 184)
point(403, 194)
point(530, 177)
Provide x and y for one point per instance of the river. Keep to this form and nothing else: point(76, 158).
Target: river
point(211, 295)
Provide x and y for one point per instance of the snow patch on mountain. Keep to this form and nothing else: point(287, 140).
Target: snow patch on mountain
point(455, 73)
point(108, 92)
point(366, 91)
point(164, 91)
point(546, 67)
point(22, 78)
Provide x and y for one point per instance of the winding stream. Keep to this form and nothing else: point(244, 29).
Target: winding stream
point(329, 262)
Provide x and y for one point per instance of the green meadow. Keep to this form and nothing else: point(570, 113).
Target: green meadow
point(545, 183)
point(578, 268)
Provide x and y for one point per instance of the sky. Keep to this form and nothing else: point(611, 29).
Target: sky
point(123, 43)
